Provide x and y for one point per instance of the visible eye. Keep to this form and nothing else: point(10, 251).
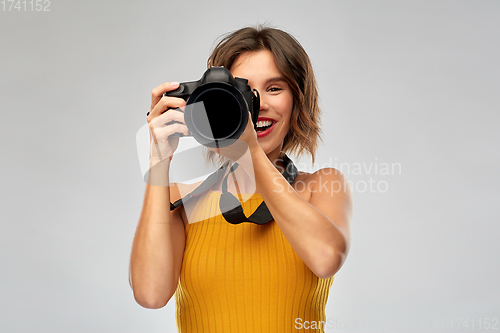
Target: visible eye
point(274, 89)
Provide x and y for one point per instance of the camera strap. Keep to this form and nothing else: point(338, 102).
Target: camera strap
point(230, 206)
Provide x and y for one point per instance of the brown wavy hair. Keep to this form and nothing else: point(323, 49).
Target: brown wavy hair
point(295, 66)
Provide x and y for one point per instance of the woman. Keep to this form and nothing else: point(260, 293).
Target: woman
point(247, 277)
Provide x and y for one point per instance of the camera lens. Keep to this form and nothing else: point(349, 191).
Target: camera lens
point(217, 113)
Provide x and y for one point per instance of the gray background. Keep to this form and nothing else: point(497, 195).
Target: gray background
point(409, 82)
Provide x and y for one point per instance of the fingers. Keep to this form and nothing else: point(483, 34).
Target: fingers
point(163, 124)
point(167, 124)
point(158, 92)
point(163, 133)
point(167, 117)
point(164, 104)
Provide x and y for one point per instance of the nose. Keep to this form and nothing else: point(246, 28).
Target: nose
point(263, 103)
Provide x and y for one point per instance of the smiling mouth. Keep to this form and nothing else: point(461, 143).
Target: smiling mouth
point(263, 125)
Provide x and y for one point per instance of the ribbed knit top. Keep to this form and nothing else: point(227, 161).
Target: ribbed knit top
point(245, 277)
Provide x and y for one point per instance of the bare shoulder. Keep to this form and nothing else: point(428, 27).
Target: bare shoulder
point(330, 188)
point(325, 182)
point(300, 184)
point(330, 181)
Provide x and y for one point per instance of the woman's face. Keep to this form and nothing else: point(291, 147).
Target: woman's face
point(276, 99)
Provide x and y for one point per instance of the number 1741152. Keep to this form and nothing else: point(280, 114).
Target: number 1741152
point(25, 5)
point(474, 324)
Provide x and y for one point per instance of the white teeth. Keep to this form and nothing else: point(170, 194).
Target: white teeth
point(263, 123)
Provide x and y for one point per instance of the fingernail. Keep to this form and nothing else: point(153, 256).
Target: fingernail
point(174, 84)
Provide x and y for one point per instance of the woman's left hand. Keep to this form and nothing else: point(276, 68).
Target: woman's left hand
point(247, 141)
point(249, 136)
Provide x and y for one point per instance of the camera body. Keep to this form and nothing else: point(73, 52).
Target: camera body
point(217, 107)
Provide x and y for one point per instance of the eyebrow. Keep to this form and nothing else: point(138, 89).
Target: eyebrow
point(276, 79)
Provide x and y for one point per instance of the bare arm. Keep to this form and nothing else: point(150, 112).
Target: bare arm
point(158, 246)
point(318, 229)
point(157, 250)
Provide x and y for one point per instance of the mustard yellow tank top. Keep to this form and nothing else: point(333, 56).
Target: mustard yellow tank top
point(245, 277)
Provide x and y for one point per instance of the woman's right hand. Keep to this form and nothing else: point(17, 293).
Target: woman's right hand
point(163, 121)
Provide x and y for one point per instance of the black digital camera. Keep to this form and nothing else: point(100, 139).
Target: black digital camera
point(217, 107)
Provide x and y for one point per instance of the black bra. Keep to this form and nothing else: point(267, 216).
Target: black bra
point(230, 206)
